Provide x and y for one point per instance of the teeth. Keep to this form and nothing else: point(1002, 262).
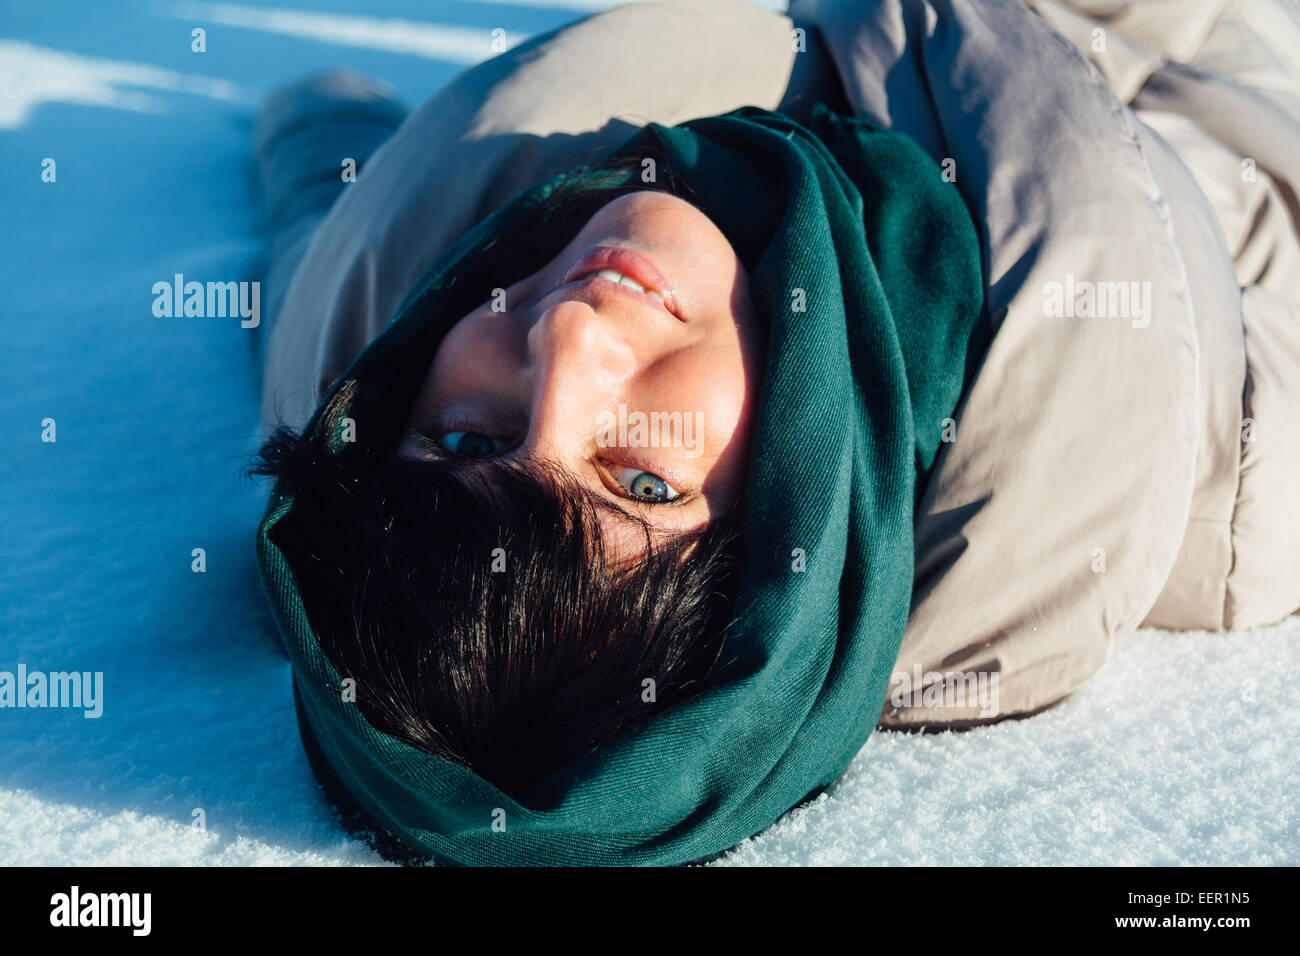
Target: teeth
point(615, 276)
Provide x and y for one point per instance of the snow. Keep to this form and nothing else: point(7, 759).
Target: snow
point(1182, 750)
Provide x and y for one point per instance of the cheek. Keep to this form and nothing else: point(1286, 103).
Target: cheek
point(713, 383)
point(470, 357)
point(476, 350)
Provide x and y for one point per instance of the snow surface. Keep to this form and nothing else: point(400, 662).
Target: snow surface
point(1181, 751)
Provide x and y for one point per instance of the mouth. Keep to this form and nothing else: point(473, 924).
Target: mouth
point(631, 270)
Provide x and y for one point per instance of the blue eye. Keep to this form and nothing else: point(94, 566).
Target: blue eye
point(644, 486)
point(470, 444)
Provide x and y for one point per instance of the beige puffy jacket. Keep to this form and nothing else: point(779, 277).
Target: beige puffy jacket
point(1129, 453)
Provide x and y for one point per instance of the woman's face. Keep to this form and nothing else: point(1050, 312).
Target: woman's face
point(630, 361)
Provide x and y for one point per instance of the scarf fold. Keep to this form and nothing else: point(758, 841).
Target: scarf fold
point(865, 267)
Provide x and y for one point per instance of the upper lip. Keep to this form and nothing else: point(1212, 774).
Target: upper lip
point(631, 264)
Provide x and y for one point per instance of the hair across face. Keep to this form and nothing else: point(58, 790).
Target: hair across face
point(491, 629)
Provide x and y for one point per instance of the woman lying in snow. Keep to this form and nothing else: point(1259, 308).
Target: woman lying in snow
point(991, 354)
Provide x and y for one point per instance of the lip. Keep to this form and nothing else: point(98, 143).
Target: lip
point(631, 264)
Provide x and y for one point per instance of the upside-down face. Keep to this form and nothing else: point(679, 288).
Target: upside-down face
point(630, 361)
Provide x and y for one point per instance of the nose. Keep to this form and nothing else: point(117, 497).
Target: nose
point(581, 364)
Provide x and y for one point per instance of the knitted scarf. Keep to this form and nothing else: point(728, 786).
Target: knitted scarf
point(865, 267)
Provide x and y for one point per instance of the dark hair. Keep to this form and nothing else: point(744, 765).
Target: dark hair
point(510, 662)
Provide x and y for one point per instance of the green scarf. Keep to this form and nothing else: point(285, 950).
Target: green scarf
point(866, 267)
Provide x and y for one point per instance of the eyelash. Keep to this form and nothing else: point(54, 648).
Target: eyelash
point(619, 490)
point(486, 430)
